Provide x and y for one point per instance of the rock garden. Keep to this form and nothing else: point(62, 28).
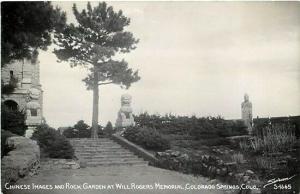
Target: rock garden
point(222, 149)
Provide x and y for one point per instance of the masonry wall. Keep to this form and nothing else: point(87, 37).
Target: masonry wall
point(28, 76)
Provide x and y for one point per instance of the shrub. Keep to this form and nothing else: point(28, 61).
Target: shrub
point(200, 128)
point(4, 148)
point(13, 120)
point(108, 129)
point(80, 130)
point(148, 138)
point(218, 141)
point(10, 87)
point(52, 143)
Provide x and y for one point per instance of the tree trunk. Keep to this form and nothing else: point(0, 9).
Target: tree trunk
point(94, 131)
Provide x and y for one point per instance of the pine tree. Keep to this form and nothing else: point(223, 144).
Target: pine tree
point(27, 27)
point(93, 42)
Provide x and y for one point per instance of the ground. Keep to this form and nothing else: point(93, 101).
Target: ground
point(140, 175)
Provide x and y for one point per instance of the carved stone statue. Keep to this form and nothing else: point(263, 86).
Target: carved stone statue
point(125, 117)
point(33, 111)
point(247, 112)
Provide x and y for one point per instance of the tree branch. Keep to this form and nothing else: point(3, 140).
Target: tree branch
point(105, 83)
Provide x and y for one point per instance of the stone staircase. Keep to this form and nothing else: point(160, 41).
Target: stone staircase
point(105, 152)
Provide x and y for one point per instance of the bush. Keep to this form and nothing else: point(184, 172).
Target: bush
point(52, 143)
point(148, 138)
point(12, 120)
point(10, 87)
point(108, 129)
point(4, 148)
point(80, 130)
point(200, 128)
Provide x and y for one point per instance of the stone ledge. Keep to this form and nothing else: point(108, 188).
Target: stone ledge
point(135, 149)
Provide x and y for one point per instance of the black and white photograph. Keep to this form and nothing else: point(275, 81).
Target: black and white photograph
point(150, 97)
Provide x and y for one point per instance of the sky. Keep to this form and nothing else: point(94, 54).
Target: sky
point(194, 58)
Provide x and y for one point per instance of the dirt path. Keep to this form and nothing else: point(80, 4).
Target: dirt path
point(143, 178)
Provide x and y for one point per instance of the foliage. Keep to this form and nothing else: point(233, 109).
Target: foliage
point(108, 129)
point(52, 143)
point(275, 138)
point(12, 120)
point(80, 130)
point(27, 27)
point(148, 138)
point(200, 128)
point(260, 123)
point(4, 148)
point(238, 158)
point(99, 35)
point(10, 87)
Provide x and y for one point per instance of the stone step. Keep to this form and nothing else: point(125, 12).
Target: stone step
point(90, 141)
point(117, 154)
point(103, 153)
point(112, 160)
point(137, 163)
point(99, 145)
point(98, 148)
point(109, 157)
point(101, 150)
point(93, 144)
point(108, 154)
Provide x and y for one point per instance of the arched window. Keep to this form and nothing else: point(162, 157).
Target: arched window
point(10, 104)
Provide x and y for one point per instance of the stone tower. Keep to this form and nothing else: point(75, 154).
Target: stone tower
point(247, 112)
point(28, 95)
point(125, 117)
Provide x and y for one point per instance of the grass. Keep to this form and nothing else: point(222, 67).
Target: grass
point(273, 139)
point(238, 158)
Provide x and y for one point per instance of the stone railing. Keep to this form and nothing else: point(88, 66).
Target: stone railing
point(135, 149)
point(23, 160)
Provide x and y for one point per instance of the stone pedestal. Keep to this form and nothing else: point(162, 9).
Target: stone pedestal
point(33, 111)
point(30, 130)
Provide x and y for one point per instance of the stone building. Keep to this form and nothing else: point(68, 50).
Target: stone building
point(28, 94)
point(246, 107)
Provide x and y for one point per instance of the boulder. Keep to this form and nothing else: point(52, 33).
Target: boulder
point(21, 161)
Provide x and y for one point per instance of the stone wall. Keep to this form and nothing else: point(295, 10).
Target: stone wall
point(23, 160)
point(28, 76)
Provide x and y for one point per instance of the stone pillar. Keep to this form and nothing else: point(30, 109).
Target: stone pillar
point(247, 113)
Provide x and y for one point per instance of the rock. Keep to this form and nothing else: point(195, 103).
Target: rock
point(249, 172)
point(185, 156)
point(220, 162)
point(218, 171)
point(21, 160)
point(246, 178)
point(75, 166)
point(213, 181)
point(175, 153)
point(160, 154)
point(238, 176)
point(71, 163)
point(83, 164)
point(223, 171)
